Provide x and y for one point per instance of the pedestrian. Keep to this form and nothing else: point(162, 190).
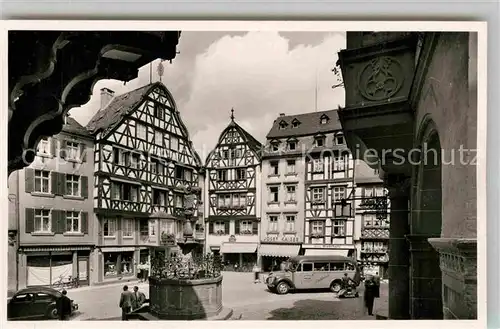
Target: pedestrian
point(256, 271)
point(126, 300)
point(139, 298)
point(376, 279)
point(369, 295)
point(63, 305)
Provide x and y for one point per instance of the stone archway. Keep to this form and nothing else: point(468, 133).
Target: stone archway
point(426, 222)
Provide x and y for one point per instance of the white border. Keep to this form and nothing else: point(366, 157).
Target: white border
point(338, 26)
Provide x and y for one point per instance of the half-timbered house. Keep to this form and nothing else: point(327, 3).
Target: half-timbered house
point(51, 232)
point(329, 182)
point(232, 189)
point(371, 228)
point(144, 164)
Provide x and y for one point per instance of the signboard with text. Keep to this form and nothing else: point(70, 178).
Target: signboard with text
point(281, 239)
point(328, 246)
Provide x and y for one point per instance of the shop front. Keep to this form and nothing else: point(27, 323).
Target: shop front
point(239, 256)
point(272, 255)
point(118, 263)
point(48, 266)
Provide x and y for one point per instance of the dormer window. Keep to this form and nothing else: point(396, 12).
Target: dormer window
point(339, 139)
point(292, 145)
point(275, 146)
point(319, 141)
point(283, 125)
point(295, 123)
point(324, 119)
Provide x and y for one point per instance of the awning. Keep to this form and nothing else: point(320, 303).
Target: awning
point(117, 249)
point(279, 250)
point(327, 252)
point(54, 248)
point(238, 248)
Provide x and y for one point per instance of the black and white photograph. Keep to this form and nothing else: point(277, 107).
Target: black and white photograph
point(268, 173)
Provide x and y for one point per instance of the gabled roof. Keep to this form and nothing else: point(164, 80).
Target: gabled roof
point(107, 118)
point(112, 115)
point(252, 143)
point(310, 124)
point(73, 127)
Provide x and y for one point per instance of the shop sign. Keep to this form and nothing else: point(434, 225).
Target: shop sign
point(328, 246)
point(275, 238)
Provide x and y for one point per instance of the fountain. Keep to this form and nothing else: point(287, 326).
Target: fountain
point(184, 287)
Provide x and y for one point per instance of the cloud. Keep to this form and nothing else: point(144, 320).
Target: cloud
point(259, 74)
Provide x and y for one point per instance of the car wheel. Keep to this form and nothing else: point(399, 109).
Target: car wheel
point(282, 288)
point(335, 286)
point(52, 313)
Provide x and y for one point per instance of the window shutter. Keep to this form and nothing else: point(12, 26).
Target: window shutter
point(29, 180)
point(85, 186)
point(53, 147)
point(58, 221)
point(210, 228)
point(61, 185)
point(85, 222)
point(226, 227)
point(237, 227)
point(62, 150)
point(30, 220)
point(55, 183)
point(83, 153)
point(255, 228)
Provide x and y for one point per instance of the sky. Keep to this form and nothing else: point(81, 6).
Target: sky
point(259, 74)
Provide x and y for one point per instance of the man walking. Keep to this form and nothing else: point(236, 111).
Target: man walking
point(64, 306)
point(126, 300)
point(139, 298)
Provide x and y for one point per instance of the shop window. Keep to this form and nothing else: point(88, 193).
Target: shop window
point(116, 263)
point(110, 264)
point(42, 184)
point(127, 264)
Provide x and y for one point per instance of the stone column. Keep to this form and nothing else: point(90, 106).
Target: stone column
point(425, 278)
point(399, 281)
point(458, 262)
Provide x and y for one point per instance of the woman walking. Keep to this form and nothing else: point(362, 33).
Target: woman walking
point(370, 293)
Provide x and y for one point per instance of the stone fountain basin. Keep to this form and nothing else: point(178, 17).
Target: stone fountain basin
point(179, 299)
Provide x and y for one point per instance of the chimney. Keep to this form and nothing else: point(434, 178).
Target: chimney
point(282, 114)
point(106, 97)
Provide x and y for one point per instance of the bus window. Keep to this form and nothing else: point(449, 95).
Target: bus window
point(336, 266)
point(307, 267)
point(321, 266)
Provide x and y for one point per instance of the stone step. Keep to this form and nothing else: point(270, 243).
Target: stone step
point(225, 314)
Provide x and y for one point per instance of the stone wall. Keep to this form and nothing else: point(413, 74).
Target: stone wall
point(185, 299)
point(448, 99)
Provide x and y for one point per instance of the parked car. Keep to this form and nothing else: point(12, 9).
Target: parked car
point(35, 303)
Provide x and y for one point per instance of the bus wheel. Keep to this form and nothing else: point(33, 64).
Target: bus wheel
point(335, 286)
point(282, 288)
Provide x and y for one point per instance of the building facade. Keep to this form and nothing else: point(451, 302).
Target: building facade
point(423, 103)
point(232, 191)
point(372, 220)
point(145, 167)
point(51, 209)
point(283, 174)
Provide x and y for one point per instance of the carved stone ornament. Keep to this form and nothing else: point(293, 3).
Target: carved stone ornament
point(381, 78)
point(458, 256)
point(398, 186)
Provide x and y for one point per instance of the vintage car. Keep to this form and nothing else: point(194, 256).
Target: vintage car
point(35, 303)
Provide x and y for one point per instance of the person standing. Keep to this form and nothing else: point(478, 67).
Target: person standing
point(63, 305)
point(256, 271)
point(126, 300)
point(139, 298)
point(369, 295)
point(376, 279)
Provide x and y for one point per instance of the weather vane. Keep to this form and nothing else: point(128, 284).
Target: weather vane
point(232, 113)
